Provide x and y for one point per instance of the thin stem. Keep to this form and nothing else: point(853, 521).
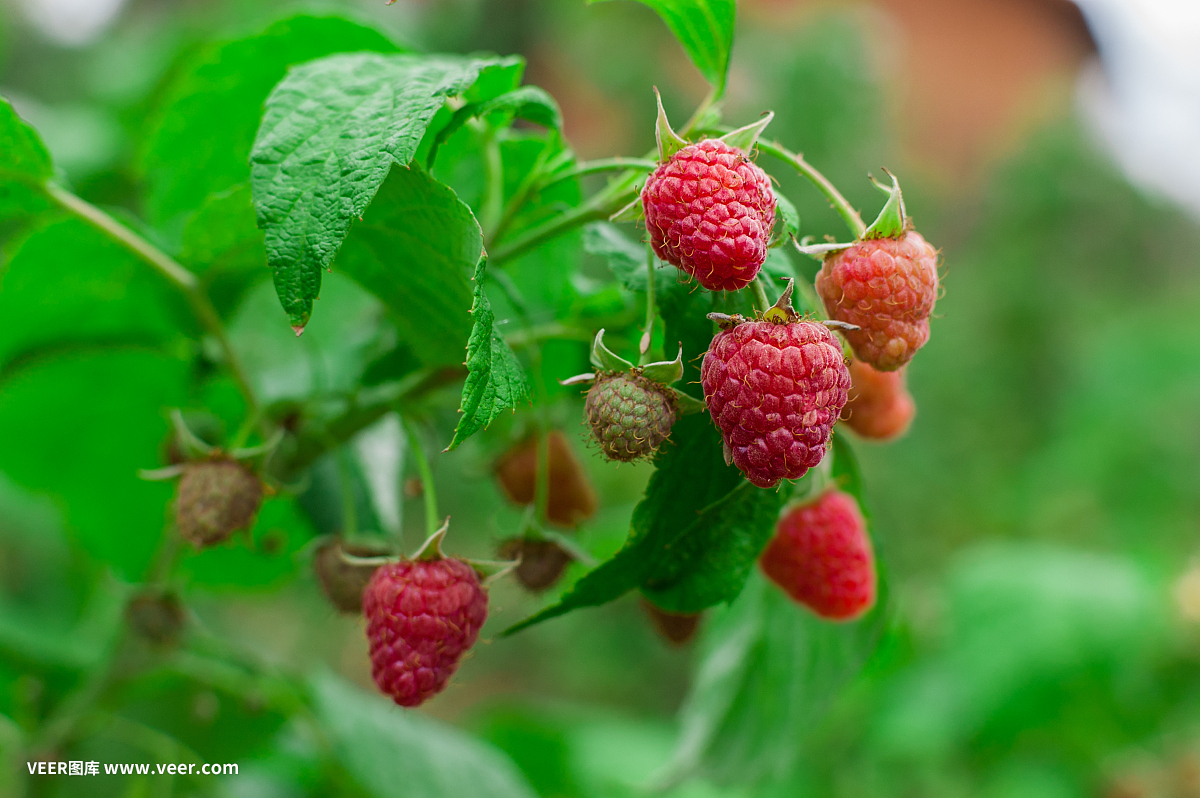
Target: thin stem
point(840, 204)
point(603, 165)
point(760, 295)
point(62, 723)
point(183, 279)
point(651, 309)
point(346, 481)
point(432, 522)
point(699, 113)
point(493, 197)
point(528, 187)
point(599, 206)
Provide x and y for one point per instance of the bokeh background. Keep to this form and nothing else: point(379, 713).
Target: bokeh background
point(1040, 522)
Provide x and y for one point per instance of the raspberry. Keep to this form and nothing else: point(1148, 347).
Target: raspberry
point(821, 556)
point(422, 616)
point(630, 415)
point(887, 287)
point(677, 628)
point(880, 405)
point(542, 561)
point(571, 498)
point(342, 581)
point(710, 211)
point(775, 391)
point(214, 499)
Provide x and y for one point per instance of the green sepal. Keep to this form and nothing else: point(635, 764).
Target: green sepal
point(688, 404)
point(633, 212)
point(746, 138)
point(892, 220)
point(787, 224)
point(431, 549)
point(818, 251)
point(669, 141)
point(782, 311)
point(604, 360)
point(665, 372)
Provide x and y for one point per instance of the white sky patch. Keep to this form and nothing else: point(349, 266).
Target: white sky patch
point(1143, 100)
point(72, 23)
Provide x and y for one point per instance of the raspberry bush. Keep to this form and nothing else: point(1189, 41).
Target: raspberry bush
point(469, 264)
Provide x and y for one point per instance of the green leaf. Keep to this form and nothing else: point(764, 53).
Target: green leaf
point(413, 250)
point(77, 427)
point(391, 753)
point(495, 380)
point(694, 536)
point(769, 670)
point(49, 301)
point(530, 103)
point(787, 225)
point(223, 246)
point(332, 130)
point(329, 360)
point(200, 135)
point(705, 29)
point(626, 259)
point(24, 166)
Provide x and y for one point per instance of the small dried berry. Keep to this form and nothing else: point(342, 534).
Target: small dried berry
point(214, 499)
point(677, 628)
point(343, 581)
point(571, 498)
point(542, 561)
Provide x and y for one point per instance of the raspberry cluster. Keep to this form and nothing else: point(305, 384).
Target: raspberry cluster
point(775, 390)
point(710, 211)
point(887, 287)
point(821, 556)
point(422, 616)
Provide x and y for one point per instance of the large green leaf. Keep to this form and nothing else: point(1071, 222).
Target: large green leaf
point(24, 166)
point(201, 135)
point(224, 247)
point(331, 133)
point(413, 250)
point(705, 29)
point(68, 285)
point(495, 380)
point(769, 669)
point(77, 427)
point(626, 259)
point(392, 753)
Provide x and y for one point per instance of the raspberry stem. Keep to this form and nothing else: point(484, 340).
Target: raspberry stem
point(426, 474)
point(840, 204)
point(651, 310)
point(760, 294)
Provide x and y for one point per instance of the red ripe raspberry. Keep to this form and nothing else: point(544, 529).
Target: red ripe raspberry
point(886, 286)
point(880, 405)
point(422, 616)
point(710, 211)
point(821, 556)
point(775, 391)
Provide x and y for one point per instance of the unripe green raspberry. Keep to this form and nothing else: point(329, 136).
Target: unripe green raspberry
point(630, 415)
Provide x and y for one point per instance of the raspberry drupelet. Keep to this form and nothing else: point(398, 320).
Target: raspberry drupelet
point(710, 212)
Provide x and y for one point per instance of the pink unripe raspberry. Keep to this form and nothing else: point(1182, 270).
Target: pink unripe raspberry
point(775, 391)
point(710, 211)
point(422, 616)
point(887, 287)
point(821, 556)
point(880, 405)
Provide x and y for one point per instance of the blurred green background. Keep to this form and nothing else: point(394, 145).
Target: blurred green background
point(1039, 522)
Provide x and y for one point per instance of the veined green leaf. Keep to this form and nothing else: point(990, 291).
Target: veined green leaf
point(200, 135)
point(24, 166)
point(495, 380)
point(332, 130)
point(396, 754)
point(705, 29)
point(413, 250)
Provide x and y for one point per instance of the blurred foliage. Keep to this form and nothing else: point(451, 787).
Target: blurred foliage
point(1038, 521)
